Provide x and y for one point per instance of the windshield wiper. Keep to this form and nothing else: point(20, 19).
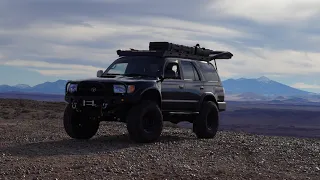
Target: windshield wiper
point(109, 74)
point(136, 74)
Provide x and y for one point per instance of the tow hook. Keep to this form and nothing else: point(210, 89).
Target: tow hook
point(74, 105)
point(104, 105)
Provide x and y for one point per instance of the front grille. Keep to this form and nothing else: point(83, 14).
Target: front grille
point(94, 89)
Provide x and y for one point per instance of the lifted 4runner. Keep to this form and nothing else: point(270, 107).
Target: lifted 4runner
point(143, 88)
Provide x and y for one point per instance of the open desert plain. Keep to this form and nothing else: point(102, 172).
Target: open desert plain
point(34, 145)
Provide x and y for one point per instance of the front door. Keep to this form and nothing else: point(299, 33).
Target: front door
point(172, 86)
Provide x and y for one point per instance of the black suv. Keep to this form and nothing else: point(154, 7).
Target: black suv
point(143, 88)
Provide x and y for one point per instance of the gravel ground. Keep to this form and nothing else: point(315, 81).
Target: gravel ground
point(33, 145)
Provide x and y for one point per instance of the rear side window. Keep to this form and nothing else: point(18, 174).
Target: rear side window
point(189, 71)
point(209, 72)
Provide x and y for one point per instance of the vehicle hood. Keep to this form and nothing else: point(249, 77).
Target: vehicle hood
point(124, 79)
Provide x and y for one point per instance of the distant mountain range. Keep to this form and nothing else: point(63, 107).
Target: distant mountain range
point(259, 89)
point(261, 86)
point(56, 87)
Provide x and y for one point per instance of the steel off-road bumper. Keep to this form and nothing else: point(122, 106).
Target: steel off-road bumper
point(114, 107)
point(222, 106)
point(100, 101)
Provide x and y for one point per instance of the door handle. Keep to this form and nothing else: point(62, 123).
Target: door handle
point(181, 86)
point(201, 87)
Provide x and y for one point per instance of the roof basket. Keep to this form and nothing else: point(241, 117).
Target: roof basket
point(166, 49)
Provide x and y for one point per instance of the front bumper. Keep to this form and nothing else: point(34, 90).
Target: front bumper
point(222, 106)
point(101, 101)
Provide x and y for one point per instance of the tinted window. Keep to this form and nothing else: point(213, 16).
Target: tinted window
point(171, 70)
point(208, 71)
point(196, 74)
point(189, 72)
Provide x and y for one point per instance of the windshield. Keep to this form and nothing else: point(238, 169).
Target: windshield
point(135, 66)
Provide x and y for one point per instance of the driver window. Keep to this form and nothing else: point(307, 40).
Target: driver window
point(172, 71)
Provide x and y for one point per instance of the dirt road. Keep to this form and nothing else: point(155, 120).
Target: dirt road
point(33, 145)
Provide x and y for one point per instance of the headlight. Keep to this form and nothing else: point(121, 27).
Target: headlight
point(122, 88)
point(71, 88)
point(119, 89)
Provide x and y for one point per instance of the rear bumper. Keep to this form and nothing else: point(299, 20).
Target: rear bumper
point(222, 106)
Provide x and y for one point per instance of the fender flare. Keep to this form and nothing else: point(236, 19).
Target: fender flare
point(207, 96)
point(152, 89)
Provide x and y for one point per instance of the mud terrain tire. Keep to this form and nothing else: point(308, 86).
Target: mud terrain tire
point(207, 123)
point(145, 122)
point(78, 126)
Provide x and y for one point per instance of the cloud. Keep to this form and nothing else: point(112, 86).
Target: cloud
point(96, 42)
point(76, 38)
point(71, 72)
point(93, 30)
point(268, 61)
point(54, 69)
point(272, 11)
point(302, 85)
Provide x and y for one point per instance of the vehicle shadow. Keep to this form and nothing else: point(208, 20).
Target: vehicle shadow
point(101, 144)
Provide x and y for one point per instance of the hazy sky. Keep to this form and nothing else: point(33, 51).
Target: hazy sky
point(46, 40)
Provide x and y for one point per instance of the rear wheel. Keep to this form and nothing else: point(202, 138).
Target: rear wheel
point(207, 123)
point(145, 122)
point(78, 125)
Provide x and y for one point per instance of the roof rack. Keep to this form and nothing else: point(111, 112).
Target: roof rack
point(166, 49)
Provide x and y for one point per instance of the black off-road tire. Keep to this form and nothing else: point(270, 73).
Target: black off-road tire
point(79, 126)
point(207, 123)
point(137, 122)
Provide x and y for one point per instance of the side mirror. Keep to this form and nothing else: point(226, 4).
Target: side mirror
point(160, 76)
point(99, 73)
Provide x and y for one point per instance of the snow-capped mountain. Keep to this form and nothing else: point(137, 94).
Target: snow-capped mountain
point(264, 79)
point(261, 86)
point(22, 86)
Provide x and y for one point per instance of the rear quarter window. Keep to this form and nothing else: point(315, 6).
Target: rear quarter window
point(208, 71)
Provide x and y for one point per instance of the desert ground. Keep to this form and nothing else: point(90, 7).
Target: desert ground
point(33, 145)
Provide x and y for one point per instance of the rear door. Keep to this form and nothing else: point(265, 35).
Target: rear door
point(193, 86)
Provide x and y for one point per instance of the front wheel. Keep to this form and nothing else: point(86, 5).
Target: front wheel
point(207, 123)
point(145, 122)
point(78, 125)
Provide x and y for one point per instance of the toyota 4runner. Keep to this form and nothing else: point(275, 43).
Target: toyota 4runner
point(143, 88)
